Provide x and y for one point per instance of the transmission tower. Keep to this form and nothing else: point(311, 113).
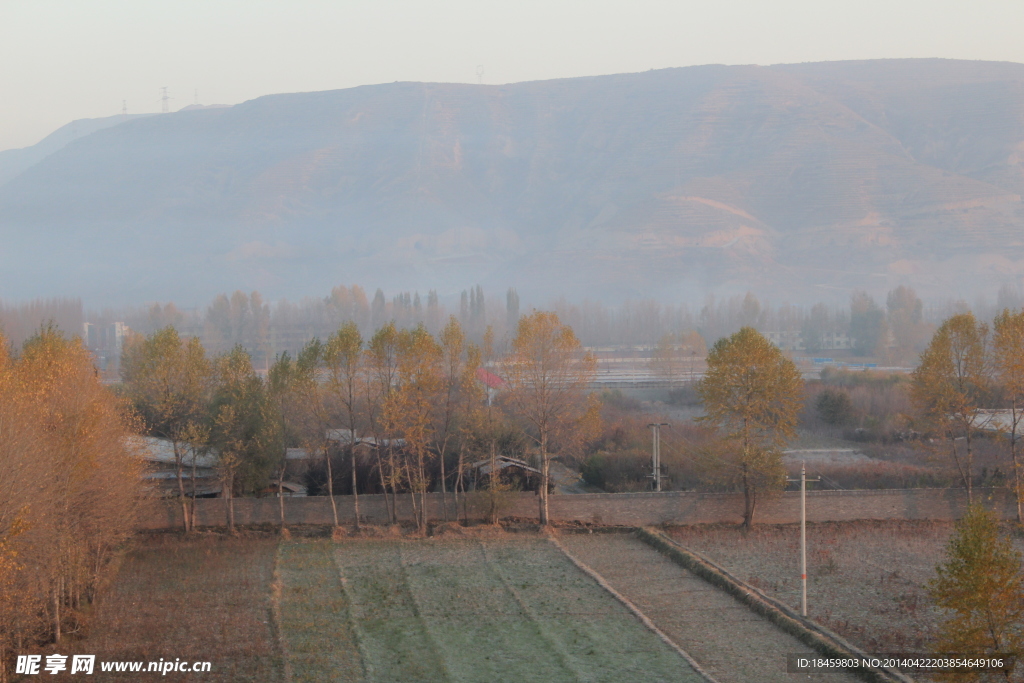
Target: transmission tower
point(479, 73)
point(165, 100)
point(124, 107)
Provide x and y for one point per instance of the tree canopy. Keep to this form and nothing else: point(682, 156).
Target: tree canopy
point(752, 393)
point(981, 588)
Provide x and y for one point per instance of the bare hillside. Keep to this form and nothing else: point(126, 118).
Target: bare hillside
point(796, 181)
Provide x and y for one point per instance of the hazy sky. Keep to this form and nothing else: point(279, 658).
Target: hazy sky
point(67, 59)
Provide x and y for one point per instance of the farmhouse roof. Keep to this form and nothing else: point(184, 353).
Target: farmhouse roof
point(994, 420)
point(489, 378)
point(345, 436)
point(501, 462)
point(161, 451)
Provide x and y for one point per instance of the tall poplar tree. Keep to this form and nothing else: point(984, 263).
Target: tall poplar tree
point(546, 378)
point(344, 360)
point(1008, 362)
point(167, 379)
point(950, 384)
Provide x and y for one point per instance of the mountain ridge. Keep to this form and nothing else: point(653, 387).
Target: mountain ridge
point(798, 181)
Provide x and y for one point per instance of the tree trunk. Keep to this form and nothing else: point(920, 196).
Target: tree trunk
point(231, 503)
point(493, 486)
point(1016, 461)
point(748, 500)
point(355, 489)
point(964, 477)
point(459, 483)
point(383, 483)
point(421, 464)
point(544, 520)
point(192, 502)
point(330, 485)
point(56, 611)
point(970, 467)
point(415, 512)
point(181, 490)
point(444, 488)
point(393, 479)
point(280, 490)
point(179, 469)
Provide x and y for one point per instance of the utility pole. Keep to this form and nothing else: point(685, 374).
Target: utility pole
point(803, 534)
point(656, 453)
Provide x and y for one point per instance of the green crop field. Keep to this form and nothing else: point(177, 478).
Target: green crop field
point(458, 610)
point(506, 607)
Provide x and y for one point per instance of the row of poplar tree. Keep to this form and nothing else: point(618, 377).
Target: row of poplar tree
point(968, 371)
point(69, 489)
point(416, 397)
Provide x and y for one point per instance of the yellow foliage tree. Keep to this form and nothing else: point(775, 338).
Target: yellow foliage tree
point(69, 488)
point(751, 392)
point(410, 407)
point(981, 588)
point(1008, 361)
point(949, 385)
point(344, 360)
point(167, 378)
point(547, 375)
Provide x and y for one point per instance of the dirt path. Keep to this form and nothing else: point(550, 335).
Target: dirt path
point(731, 642)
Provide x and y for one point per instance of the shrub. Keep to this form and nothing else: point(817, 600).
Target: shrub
point(834, 407)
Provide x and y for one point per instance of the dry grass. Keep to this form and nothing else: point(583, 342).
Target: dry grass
point(198, 599)
point(866, 580)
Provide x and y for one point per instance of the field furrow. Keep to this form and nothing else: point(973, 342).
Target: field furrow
point(313, 616)
point(599, 638)
point(725, 637)
point(482, 632)
point(395, 642)
point(512, 609)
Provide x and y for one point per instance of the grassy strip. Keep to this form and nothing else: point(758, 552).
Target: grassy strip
point(394, 639)
point(276, 588)
point(601, 640)
point(313, 615)
point(635, 610)
point(561, 659)
point(481, 631)
point(814, 635)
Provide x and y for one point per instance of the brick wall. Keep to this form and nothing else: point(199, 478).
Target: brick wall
point(632, 509)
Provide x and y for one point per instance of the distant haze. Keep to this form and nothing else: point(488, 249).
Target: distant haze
point(800, 183)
